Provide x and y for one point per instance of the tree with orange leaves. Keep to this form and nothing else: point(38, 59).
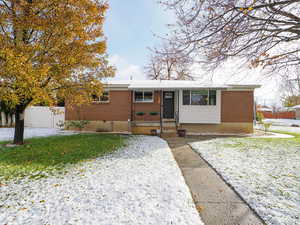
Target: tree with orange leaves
point(51, 48)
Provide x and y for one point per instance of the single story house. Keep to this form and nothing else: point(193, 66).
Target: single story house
point(140, 107)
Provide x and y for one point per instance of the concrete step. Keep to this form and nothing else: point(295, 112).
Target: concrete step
point(170, 128)
point(169, 135)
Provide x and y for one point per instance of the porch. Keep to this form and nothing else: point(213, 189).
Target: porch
point(167, 109)
point(155, 110)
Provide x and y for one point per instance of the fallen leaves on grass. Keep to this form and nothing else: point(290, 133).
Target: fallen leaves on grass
point(200, 208)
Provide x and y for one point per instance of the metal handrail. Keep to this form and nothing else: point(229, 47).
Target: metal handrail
point(176, 120)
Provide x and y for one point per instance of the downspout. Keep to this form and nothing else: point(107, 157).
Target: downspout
point(161, 111)
point(132, 110)
point(178, 106)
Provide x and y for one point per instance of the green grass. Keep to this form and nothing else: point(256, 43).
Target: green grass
point(256, 143)
point(44, 156)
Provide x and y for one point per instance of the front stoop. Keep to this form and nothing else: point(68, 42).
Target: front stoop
point(216, 202)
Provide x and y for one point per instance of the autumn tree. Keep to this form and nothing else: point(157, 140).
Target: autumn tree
point(50, 48)
point(166, 63)
point(264, 33)
point(292, 100)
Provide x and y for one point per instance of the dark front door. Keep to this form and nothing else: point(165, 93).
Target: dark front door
point(168, 105)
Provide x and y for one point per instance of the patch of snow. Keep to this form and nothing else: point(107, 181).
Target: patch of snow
point(7, 134)
point(281, 128)
point(271, 135)
point(283, 122)
point(267, 176)
point(140, 184)
point(286, 129)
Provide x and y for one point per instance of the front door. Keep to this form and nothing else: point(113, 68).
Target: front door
point(168, 103)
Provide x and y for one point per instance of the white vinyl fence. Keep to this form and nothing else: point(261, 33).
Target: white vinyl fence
point(44, 117)
point(6, 120)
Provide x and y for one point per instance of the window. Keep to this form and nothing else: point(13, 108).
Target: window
point(199, 97)
point(186, 97)
point(143, 96)
point(103, 98)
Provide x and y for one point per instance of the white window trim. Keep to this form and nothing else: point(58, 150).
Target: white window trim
point(143, 97)
point(208, 96)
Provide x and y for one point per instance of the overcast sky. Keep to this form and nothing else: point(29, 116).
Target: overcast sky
point(130, 26)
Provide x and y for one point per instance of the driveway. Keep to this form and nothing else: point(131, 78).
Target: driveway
point(216, 202)
point(7, 134)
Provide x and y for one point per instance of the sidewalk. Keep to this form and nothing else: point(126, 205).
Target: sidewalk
point(216, 202)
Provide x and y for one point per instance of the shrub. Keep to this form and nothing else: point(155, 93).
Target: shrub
point(80, 124)
point(140, 113)
point(153, 113)
point(267, 126)
point(60, 124)
point(260, 117)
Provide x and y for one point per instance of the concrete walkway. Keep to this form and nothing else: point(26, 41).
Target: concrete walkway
point(216, 202)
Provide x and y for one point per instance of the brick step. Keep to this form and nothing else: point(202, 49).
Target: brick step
point(169, 125)
point(170, 128)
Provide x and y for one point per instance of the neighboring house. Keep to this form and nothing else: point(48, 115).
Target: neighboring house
point(143, 106)
point(260, 108)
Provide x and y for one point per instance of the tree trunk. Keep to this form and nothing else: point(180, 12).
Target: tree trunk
point(19, 126)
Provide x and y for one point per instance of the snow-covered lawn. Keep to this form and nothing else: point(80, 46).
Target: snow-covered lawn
point(8, 133)
point(139, 184)
point(286, 125)
point(266, 173)
point(280, 128)
point(283, 122)
point(285, 129)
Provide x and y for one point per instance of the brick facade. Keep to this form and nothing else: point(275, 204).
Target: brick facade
point(147, 108)
point(118, 109)
point(237, 107)
point(237, 113)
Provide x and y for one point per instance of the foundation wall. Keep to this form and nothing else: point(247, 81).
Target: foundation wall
point(223, 128)
point(107, 126)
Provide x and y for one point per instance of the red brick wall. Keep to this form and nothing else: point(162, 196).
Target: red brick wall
point(237, 106)
point(118, 109)
point(146, 108)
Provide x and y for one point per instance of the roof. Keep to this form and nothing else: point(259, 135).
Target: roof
point(175, 84)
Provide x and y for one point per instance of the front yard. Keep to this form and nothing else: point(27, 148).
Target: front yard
point(41, 157)
point(265, 172)
point(93, 179)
